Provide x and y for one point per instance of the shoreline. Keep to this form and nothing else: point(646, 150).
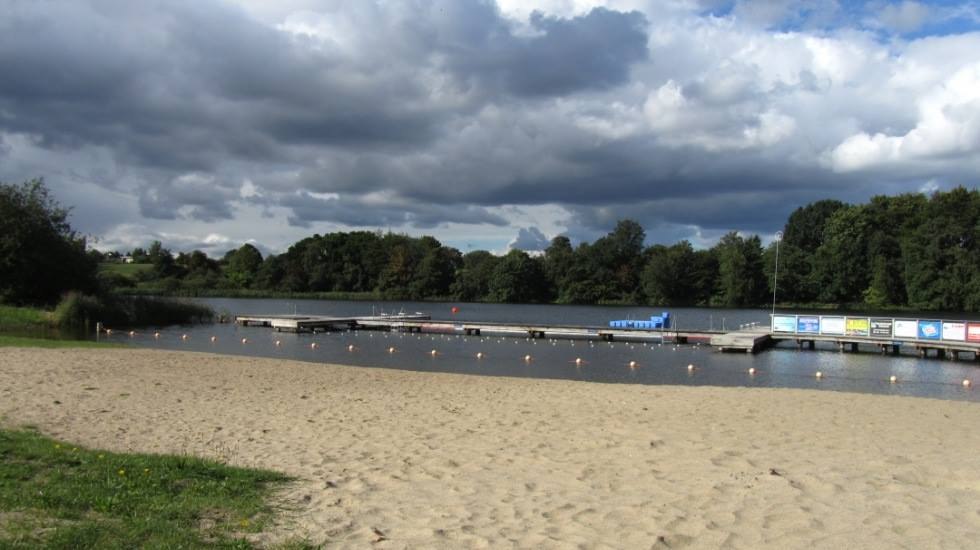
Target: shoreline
point(451, 460)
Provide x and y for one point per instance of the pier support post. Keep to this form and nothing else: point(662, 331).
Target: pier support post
point(923, 352)
point(895, 349)
point(941, 353)
point(854, 347)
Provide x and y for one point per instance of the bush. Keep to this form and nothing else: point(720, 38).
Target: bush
point(78, 310)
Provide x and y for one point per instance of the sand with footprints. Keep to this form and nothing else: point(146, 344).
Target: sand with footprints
point(401, 459)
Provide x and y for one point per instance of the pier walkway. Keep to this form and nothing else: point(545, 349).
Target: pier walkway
point(418, 322)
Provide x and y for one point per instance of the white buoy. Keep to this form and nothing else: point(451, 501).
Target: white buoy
point(632, 364)
point(244, 340)
point(966, 383)
point(479, 355)
point(433, 353)
point(527, 358)
point(819, 374)
point(156, 335)
point(391, 349)
point(214, 339)
point(350, 347)
point(278, 343)
point(313, 345)
point(690, 368)
point(132, 333)
point(183, 337)
point(578, 360)
point(751, 370)
point(893, 379)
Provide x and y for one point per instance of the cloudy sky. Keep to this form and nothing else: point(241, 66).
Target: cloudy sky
point(209, 123)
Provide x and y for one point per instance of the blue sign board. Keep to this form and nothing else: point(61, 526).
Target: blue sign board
point(930, 330)
point(784, 323)
point(808, 325)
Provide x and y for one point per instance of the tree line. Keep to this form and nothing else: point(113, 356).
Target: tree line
point(909, 250)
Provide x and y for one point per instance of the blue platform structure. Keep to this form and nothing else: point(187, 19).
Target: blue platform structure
point(661, 321)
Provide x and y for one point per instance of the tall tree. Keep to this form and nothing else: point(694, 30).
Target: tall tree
point(741, 281)
point(517, 278)
point(472, 283)
point(41, 256)
point(242, 265)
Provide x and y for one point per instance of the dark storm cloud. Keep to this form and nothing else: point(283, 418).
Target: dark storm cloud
point(421, 113)
point(190, 87)
point(592, 51)
point(382, 212)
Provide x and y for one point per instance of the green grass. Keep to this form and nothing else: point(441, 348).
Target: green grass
point(23, 318)
point(58, 495)
point(126, 270)
point(28, 342)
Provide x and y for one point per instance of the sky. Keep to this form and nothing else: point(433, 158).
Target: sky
point(206, 124)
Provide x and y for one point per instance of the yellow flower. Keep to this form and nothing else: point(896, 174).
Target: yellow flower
point(57, 446)
point(122, 472)
point(101, 457)
point(243, 523)
point(146, 471)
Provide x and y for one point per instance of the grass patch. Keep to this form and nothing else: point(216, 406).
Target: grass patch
point(57, 495)
point(132, 271)
point(24, 318)
point(28, 342)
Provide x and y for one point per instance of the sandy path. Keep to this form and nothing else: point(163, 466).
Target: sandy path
point(451, 461)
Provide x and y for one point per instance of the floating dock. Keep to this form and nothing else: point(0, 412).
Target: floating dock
point(317, 323)
point(942, 338)
point(749, 340)
point(419, 322)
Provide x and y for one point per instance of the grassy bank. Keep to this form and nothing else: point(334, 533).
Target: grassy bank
point(24, 318)
point(27, 342)
point(78, 314)
point(57, 495)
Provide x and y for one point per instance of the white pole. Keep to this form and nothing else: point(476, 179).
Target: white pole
point(775, 278)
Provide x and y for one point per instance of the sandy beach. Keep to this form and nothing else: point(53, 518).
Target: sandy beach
point(400, 459)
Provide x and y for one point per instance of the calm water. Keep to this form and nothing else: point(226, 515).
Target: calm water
point(601, 362)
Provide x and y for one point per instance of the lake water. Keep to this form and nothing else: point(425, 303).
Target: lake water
point(783, 366)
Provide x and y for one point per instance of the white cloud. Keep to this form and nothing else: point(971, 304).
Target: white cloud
point(948, 126)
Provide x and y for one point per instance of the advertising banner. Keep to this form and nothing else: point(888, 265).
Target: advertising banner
point(856, 326)
point(973, 332)
point(809, 324)
point(831, 325)
point(954, 330)
point(906, 329)
point(881, 328)
point(930, 330)
point(784, 323)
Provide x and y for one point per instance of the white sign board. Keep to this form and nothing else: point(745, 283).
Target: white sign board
point(831, 325)
point(954, 331)
point(906, 329)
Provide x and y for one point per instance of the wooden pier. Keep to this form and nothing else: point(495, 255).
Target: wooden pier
point(422, 323)
point(941, 338)
point(317, 323)
point(749, 340)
